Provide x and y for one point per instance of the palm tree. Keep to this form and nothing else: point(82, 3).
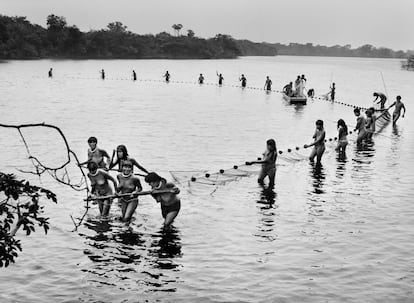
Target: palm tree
point(177, 28)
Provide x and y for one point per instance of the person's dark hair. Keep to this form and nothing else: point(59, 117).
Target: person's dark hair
point(272, 144)
point(398, 97)
point(124, 150)
point(92, 139)
point(153, 177)
point(127, 163)
point(357, 110)
point(342, 123)
point(92, 165)
point(319, 122)
point(375, 94)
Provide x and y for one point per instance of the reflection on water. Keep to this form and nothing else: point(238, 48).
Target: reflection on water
point(267, 212)
point(140, 259)
point(318, 177)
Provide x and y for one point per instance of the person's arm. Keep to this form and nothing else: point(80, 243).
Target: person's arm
point(138, 185)
point(104, 154)
point(110, 178)
point(391, 106)
point(318, 139)
point(112, 164)
point(266, 159)
point(403, 107)
point(89, 159)
point(173, 188)
point(135, 163)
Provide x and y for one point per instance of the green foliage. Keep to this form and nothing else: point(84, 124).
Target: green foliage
point(19, 208)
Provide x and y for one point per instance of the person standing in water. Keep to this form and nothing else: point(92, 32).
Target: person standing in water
point(122, 156)
point(268, 84)
point(50, 73)
point(370, 123)
point(134, 75)
point(243, 81)
point(167, 76)
point(201, 79)
point(342, 137)
point(360, 126)
point(100, 187)
point(382, 97)
point(96, 154)
point(103, 74)
point(268, 163)
point(220, 78)
point(128, 183)
point(318, 143)
point(166, 194)
point(332, 92)
point(397, 112)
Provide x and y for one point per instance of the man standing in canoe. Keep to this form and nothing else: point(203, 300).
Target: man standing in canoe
point(382, 97)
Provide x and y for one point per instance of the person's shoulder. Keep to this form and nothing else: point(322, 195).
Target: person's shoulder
point(169, 185)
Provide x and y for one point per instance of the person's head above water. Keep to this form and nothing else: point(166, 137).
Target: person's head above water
point(122, 151)
point(92, 140)
point(153, 179)
point(398, 98)
point(319, 123)
point(271, 144)
point(357, 111)
point(92, 166)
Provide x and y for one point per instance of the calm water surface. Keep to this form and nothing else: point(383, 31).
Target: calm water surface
point(342, 233)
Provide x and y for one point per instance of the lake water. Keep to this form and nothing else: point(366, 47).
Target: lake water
point(342, 233)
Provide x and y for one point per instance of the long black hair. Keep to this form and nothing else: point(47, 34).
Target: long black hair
point(342, 123)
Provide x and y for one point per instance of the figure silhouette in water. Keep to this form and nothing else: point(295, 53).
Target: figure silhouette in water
point(268, 84)
point(103, 74)
point(201, 79)
point(134, 75)
point(220, 78)
point(243, 80)
point(167, 76)
point(397, 112)
point(50, 72)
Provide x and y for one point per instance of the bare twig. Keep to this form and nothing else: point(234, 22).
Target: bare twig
point(41, 168)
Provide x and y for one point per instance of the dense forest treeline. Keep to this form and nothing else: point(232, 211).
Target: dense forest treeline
point(20, 39)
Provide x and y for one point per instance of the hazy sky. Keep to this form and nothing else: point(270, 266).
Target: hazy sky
point(328, 22)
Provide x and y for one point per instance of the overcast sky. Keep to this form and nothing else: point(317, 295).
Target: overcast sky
point(388, 23)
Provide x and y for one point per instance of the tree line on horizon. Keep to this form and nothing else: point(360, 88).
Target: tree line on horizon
point(20, 39)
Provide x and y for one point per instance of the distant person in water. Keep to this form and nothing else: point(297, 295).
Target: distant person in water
point(332, 92)
point(382, 97)
point(360, 126)
point(243, 80)
point(318, 143)
point(167, 76)
point(311, 93)
point(397, 112)
point(220, 79)
point(167, 196)
point(50, 73)
point(268, 163)
point(369, 124)
point(128, 183)
point(201, 79)
point(342, 137)
point(134, 75)
point(268, 84)
point(100, 187)
point(288, 89)
point(96, 154)
point(103, 74)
